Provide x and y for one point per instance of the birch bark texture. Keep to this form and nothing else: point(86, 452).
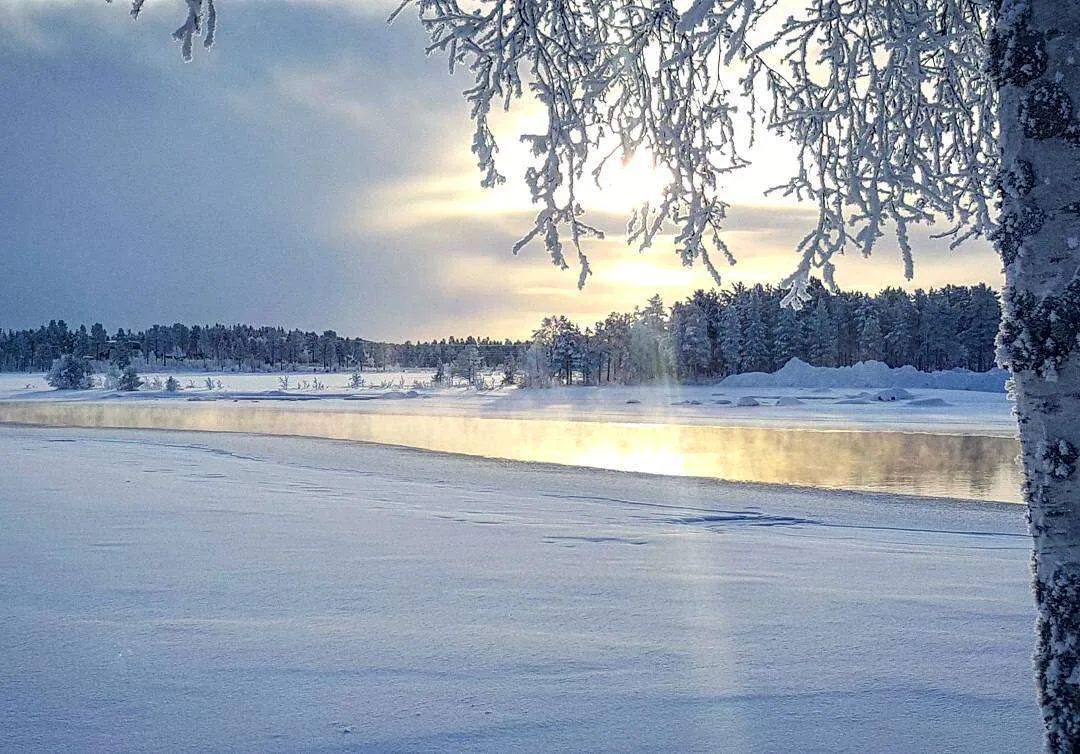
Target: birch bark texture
point(1036, 64)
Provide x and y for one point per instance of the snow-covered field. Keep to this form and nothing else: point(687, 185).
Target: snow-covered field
point(187, 591)
point(16, 383)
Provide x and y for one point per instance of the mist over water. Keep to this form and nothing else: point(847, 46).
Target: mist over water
point(969, 467)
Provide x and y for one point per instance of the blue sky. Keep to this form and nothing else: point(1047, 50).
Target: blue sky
point(312, 170)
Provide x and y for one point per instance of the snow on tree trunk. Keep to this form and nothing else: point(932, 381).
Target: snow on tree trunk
point(1036, 63)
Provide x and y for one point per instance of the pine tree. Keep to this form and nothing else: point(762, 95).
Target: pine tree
point(509, 370)
point(651, 356)
point(468, 364)
point(655, 314)
point(822, 343)
point(731, 338)
point(871, 339)
point(129, 379)
point(790, 338)
point(536, 370)
point(69, 372)
point(690, 335)
point(979, 327)
point(756, 351)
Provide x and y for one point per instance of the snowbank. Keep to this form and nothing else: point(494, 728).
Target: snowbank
point(797, 373)
point(285, 594)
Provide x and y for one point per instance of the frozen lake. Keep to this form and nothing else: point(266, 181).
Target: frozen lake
point(185, 591)
point(938, 464)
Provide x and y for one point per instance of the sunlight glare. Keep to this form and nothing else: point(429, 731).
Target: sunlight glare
point(625, 186)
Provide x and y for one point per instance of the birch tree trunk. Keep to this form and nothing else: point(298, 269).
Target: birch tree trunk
point(1035, 57)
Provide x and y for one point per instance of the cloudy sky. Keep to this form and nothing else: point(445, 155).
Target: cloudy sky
point(313, 170)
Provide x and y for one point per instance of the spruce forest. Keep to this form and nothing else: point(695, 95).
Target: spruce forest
point(709, 335)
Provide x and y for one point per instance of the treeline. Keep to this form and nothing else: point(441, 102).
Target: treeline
point(744, 329)
point(233, 348)
point(709, 335)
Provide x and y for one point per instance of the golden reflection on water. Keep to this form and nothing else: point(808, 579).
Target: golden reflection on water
point(960, 466)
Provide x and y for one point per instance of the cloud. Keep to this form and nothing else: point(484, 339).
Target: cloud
point(326, 92)
point(312, 170)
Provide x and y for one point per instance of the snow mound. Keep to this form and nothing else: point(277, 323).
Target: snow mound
point(929, 402)
point(789, 401)
point(852, 402)
point(746, 401)
point(893, 394)
point(391, 395)
point(797, 373)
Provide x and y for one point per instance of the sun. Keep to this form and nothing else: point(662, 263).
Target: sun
point(625, 186)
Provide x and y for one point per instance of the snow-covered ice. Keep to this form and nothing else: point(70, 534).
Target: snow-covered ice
point(188, 591)
point(855, 407)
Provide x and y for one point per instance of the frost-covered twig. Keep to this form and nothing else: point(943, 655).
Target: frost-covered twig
point(201, 18)
point(887, 101)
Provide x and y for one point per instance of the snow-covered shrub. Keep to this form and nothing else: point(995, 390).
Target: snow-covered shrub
point(536, 371)
point(155, 384)
point(129, 379)
point(441, 376)
point(172, 385)
point(467, 365)
point(356, 379)
point(111, 379)
point(70, 373)
point(509, 371)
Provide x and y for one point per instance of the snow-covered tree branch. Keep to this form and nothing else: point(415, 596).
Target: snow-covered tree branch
point(888, 102)
point(201, 21)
